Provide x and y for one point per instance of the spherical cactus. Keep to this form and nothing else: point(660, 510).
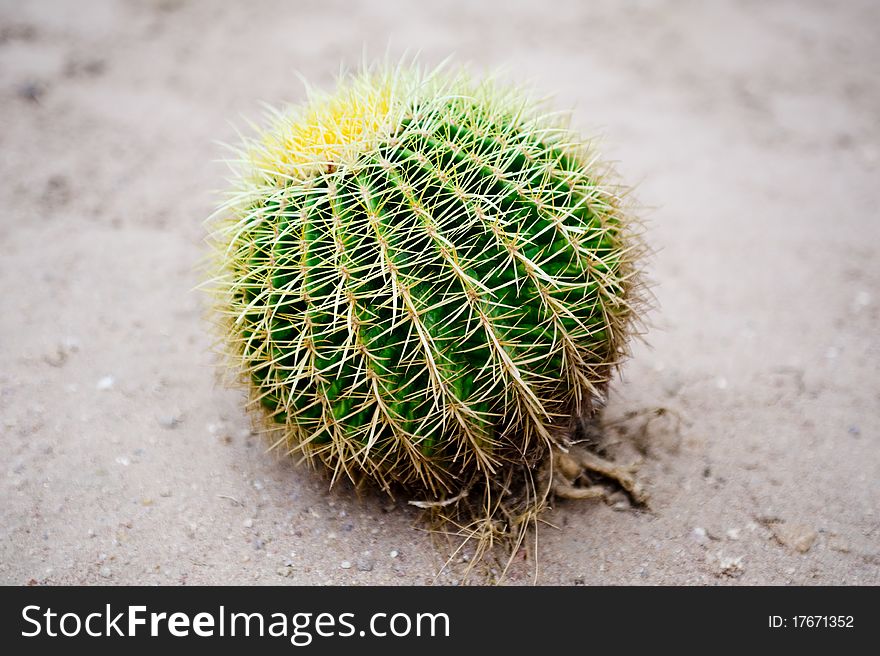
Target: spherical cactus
point(423, 277)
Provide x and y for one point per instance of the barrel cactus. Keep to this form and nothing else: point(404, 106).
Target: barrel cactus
point(422, 277)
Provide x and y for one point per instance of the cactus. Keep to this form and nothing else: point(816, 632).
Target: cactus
point(423, 277)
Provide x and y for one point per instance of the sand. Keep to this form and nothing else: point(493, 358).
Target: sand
point(751, 133)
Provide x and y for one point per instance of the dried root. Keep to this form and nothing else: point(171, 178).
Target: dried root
point(491, 522)
point(581, 474)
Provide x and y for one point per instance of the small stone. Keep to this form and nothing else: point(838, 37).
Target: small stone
point(837, 543)
point(91, 533)
point(730, 567)
point(106, 572)
point(672, 384)
point(284, 571)
point(169, 422)
point(258, 485)
point(798, 537)
point(146, 501)
point(699, 535)
point(862, 299)
point(56, 358)
point(248, 523)
point(123, 460)
point(30, 91)
point(165, 493)
point(345, 564)
point(106, 383)
point(732, 534)
point(394, 553)
point(365, 565)
point(854, 430)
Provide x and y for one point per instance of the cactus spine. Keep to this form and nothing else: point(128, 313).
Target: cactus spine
point(423, 277)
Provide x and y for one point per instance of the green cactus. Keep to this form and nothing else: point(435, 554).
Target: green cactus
point(423, 277)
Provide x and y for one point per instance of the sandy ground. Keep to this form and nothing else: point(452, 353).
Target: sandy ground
point(752, 131)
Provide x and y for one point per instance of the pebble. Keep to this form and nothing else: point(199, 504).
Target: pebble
point(106, 572)
point(169, 422)
point(248, 523)
point(798, 537)
point(730, 567)
point(672, 384)
point(699, 534)
point(365, 565)
point(345, 564)
point(837, 543)
point(854, 430)
point(394, 553)
point(732, 534)
point(106, 383)
point(30, 91)
point(56, 358)
point(123, 460)
point(285, 572)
